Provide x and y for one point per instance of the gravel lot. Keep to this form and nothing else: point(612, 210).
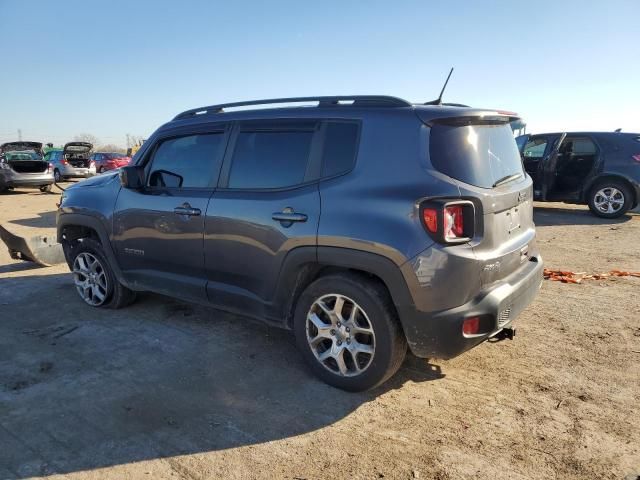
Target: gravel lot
point(165, 389)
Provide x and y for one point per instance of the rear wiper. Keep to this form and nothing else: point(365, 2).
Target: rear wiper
point(506, 179)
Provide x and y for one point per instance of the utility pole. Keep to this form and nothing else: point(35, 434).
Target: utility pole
point(19, 135)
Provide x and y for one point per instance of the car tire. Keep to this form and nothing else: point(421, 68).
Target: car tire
point(87, 256)
point(610, 199)
point(57, 176)
point(351, 352)
point(101, 170)
point(45, 188)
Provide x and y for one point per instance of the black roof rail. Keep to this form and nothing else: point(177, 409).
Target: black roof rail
point(355, 100)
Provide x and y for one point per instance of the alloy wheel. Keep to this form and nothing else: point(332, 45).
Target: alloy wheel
point(608, 200)
point(340, 335)
point(90, 279)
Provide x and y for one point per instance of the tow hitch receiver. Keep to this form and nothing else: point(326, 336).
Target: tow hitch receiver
point(505, 333)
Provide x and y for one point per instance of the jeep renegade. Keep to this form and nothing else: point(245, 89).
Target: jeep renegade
point(365, 224)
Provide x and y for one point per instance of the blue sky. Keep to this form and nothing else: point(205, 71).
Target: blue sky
point(115, 67)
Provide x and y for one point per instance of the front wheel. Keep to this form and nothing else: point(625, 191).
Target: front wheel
point(610, 199)
point(348, 332)
point(94, 278)
point(101, 170)
point(57, 176)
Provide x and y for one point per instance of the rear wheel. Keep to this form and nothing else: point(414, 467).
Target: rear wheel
point(348, 332)
point(93, 277)
point(45, 188)
point(610, 199)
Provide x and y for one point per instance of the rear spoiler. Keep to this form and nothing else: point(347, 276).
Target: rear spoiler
point(465, 116)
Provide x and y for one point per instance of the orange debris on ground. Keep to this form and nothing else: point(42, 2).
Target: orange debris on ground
point(566, 276)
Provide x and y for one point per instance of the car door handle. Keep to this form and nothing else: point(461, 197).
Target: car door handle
point(289, 216)
point(188, 210)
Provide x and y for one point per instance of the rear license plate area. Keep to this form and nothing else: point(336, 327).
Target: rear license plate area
point(513, 219)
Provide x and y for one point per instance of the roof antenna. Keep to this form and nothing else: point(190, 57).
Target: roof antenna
point(439, 99)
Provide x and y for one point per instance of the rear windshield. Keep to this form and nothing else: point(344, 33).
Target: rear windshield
point(480, 155)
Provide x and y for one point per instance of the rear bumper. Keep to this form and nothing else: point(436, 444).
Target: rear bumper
point(439, 334)
point(15, 180)
point(73, 172)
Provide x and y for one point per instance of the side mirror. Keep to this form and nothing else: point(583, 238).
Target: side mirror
point(132, 177)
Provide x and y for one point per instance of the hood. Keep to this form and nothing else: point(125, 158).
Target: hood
point(19, 146)
point(96, 181)
point(77, 147)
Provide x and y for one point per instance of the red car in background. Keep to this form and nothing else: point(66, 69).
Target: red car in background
point(109, 160)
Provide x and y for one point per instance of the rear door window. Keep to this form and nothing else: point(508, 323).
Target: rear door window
point(581, 146)
point(480, 155)
point(267, 156)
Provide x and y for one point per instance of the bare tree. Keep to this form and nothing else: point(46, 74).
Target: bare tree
point(109, 147)
point(86, 137)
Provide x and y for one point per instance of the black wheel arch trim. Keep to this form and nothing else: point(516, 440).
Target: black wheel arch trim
point(634, 185)
point(88, 221)
point(302, 265)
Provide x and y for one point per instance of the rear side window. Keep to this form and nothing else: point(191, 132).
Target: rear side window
point(480, 155)
point(187, 162)
point(340, 148)
point(270, 159)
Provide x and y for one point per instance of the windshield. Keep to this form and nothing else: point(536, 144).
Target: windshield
point(481, 155)
point(23, 155)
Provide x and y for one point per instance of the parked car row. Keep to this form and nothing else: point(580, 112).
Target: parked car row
point(25, 164)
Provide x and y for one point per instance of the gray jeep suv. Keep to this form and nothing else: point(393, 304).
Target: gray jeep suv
point(365, 224)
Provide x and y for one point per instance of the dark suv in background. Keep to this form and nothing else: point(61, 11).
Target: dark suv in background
point(600, 169)
point(365, 224)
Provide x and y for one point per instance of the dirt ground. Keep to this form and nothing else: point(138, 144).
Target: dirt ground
point(165, 389)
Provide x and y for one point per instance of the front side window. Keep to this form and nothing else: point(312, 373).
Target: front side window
point(186, 162)
point(535, 148)
point(270, 158)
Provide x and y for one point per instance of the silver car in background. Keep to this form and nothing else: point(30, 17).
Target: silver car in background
point(22, 165)
point(73, 161)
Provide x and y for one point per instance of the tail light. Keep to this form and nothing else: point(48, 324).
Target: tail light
point(636, 157)
point(449, 221)
point(92, 164)
point(50, 167)
point(471, 326)
point(64, 161)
